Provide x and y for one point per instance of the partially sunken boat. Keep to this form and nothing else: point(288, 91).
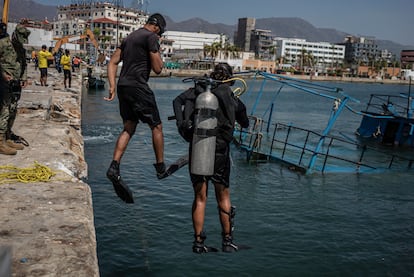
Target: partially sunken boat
point(311, 150)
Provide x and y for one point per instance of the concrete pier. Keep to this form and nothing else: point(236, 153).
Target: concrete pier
point(49, 226)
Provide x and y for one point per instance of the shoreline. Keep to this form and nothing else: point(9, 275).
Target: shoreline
point(184, 73)
point(49, 226)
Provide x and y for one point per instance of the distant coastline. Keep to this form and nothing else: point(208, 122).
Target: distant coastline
point(184, 73)
point(190, 73)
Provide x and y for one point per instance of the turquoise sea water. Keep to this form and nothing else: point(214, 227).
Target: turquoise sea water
point(314, 225)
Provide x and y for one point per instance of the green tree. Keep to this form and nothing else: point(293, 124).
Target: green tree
point(215, 48)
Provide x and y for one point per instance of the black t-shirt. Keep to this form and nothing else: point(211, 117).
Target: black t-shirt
point(135, 55)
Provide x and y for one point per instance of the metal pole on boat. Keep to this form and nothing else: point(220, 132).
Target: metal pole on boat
point(258, 97)
point(326, 132)
point(270, 117)
point(409, 108)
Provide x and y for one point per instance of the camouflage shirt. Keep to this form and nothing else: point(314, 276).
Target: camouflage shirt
point(8, 59)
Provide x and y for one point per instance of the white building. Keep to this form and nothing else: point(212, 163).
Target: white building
point(37, 36)
point(190, 40)
point(113, 22)
point(321, 55)
point(406, 74)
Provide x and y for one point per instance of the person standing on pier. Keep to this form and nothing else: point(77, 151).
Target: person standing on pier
point(65, 61)
point(13, 79)
point(140, 53)
point(43, 56)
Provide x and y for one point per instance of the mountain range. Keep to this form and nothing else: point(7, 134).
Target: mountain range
point(288, 27)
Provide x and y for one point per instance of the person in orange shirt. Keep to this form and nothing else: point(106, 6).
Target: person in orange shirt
point(76, 63)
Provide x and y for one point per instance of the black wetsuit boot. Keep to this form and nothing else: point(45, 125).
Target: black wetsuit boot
point(198, 245)
point(228, 245)
point(161, 170)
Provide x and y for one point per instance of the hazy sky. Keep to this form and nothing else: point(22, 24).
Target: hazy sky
point(383, 19)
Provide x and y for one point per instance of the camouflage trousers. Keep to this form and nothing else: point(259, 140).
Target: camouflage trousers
point(8, 110)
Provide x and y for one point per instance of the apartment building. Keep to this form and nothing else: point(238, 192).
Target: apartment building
point(407, 59)
point(111, 21)
point(361, 50)
point(262, 44)
point(114, 23)
point(192, 40)
point(309, 56)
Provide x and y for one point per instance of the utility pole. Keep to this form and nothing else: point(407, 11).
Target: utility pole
point(117, 23)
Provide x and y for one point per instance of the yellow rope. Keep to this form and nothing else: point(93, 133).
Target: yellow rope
point(37, 173)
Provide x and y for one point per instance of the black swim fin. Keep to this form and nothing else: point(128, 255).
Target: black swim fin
point(179, 163)
point(122, 190)
point(204, 249)
point(243, 247)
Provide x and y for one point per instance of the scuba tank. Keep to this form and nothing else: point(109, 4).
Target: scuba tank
point(204, 137)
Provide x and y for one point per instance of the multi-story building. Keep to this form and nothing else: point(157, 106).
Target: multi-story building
point(244, 32)
point(192, 40)
point(360, 50)
point(309, 56)
point(249, 39)
point(38, 35)
point(262, 44)
point(407, 59)
point(387, 56)
point(111, 21)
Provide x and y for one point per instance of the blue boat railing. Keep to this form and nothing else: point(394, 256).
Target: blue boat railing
point(297, 148)
point(395, 105)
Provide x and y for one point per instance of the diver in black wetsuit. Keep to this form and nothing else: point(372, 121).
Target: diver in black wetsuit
point(230, 109)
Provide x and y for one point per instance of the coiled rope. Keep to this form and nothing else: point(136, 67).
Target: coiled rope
point(37, 173)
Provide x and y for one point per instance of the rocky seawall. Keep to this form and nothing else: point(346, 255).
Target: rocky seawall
point(47, 227)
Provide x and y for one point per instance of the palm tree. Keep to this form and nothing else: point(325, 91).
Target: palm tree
point(206, 50)
point(234, 51)
point(226, 50)
point(215, 48)
point(306, 59)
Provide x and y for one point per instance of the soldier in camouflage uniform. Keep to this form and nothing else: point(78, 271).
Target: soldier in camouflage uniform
point(13, 78)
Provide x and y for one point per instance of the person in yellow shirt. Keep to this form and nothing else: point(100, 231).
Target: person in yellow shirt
point(65, 61)
point(43, 65)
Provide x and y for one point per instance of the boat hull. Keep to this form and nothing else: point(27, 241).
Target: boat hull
point(395, 131)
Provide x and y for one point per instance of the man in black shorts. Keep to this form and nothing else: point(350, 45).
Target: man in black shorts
point(230, 109)
point(43, 57)
point(139, 52)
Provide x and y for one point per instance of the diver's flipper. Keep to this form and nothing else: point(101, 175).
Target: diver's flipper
point(235, 248)
point(122, 190)
point(243, 247)
point(179, 163)
point(211, 249)
point(204, 249)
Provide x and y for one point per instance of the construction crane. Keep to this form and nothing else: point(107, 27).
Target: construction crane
point(88, 34)
point(5, 17)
